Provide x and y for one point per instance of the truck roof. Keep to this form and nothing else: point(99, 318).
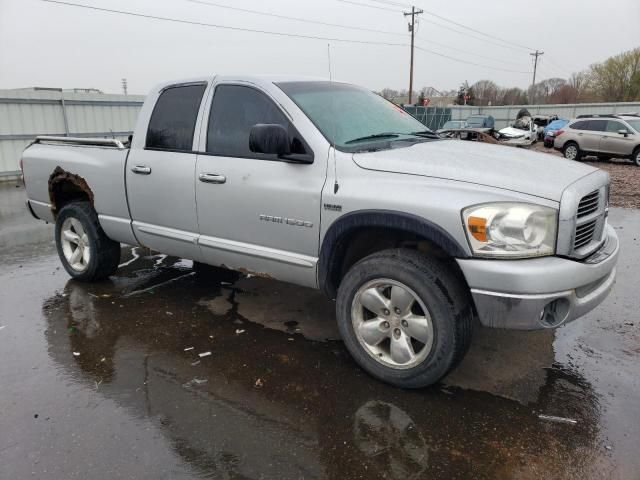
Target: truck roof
point(255, 79)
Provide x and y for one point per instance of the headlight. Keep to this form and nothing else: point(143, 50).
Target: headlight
point(514, 230)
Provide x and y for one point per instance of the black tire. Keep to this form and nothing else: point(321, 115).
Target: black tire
point(566, 149)
point(635, 157)
point(105, 253)
point(445, 296)
point(215, 274)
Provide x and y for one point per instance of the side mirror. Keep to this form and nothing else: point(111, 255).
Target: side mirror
point(623, 132)
point(270, 138)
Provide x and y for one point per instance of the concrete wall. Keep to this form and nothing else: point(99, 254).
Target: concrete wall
point(27, 113)
point(505, 116)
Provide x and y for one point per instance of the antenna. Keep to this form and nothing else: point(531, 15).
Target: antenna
point(333, 146)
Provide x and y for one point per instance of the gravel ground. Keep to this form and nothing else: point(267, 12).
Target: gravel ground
point(625, 178)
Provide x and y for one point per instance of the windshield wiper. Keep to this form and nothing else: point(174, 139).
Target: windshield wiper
point(373, 137)
point(425, 133)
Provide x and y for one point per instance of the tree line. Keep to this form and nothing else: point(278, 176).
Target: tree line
point(617, 79)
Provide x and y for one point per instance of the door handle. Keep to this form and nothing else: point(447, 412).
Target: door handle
point(212, 178)
point(141, 169)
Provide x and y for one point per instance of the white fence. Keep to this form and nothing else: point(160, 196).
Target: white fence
point(24, 114)
point(505, 116)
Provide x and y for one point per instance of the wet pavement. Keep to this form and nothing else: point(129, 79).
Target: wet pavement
point(114, 380)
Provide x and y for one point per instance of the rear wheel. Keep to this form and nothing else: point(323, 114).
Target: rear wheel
point(86, 253)
point(572, 151)
point(405, 318)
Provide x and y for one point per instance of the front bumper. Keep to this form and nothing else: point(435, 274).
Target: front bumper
point(541, 292)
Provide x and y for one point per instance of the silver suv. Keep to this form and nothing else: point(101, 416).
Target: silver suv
point(605, 136)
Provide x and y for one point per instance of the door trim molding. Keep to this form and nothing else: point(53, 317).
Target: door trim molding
point(166, 232)
point(252, 250)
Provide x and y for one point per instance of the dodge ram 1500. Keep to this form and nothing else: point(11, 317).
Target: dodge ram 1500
point(327, 185)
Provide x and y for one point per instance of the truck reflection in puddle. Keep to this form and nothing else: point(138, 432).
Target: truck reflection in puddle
point(271, 403)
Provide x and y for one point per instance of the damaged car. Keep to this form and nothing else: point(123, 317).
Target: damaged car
point(523, 132)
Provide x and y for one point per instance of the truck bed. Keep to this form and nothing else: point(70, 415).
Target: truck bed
point(97, 162)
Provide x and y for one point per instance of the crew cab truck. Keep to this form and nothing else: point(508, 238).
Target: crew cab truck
point(327, 185)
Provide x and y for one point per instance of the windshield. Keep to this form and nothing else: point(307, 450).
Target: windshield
point(557, 124)
point(350, 116)
point(634, 123)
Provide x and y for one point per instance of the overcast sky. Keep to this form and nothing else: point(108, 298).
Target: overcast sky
point(46, 44)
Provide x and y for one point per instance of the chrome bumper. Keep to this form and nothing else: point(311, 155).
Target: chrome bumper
point(542, 292)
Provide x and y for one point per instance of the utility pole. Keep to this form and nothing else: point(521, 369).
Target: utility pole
point(412, 29)
point(537, 54)
point(124, 86)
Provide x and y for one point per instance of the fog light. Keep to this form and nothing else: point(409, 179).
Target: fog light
point(554, 313)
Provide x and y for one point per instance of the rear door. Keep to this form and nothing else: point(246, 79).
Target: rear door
point(160, 176)
point(615, 143)
point(589, 139)
point(257, 212)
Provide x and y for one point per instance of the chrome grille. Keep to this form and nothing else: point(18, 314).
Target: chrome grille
point(582, 218)
point(584, 234)
point(589, 204)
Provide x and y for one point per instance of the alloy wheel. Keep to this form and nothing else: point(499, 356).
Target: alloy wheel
point(392, 324)
point(75, 244)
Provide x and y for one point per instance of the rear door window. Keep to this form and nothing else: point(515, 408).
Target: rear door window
point(597, 125)
point(174, 116)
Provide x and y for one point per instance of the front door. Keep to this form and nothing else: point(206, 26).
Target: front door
point(615, 143)
point(160, 176)
point(256, 212)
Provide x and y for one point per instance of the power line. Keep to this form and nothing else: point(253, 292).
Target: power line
point(506, 44)
point(465, 51)
point(371, 6)
point(329, 24)
point(223, 27)
point(468, 62)
point(268, 32)
point(297, 19)
point(387, 2)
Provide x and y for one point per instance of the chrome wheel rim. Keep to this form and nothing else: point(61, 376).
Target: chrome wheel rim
point(571, 152)
point(75, 244)
point(391, 323)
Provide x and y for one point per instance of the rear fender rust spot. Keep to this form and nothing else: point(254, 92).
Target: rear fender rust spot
point(60, 177)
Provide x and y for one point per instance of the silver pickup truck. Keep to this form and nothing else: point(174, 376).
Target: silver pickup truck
point(329, 186)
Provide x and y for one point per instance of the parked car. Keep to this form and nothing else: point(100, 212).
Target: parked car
point(605, 137)
point(550, 131)
point(481, 121)
point(329, 186)
point(541, 122)
point(523, 132)
point(448, 129)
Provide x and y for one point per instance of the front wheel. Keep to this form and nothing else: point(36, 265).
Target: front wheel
point(636, 157)
point(405, 318)
point(86, 253)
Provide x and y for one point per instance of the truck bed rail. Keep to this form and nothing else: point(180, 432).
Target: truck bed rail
point(96, 142)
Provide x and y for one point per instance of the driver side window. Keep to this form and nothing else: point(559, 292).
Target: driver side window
point(234, 111)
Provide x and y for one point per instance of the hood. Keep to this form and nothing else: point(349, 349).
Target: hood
point(532, 173)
